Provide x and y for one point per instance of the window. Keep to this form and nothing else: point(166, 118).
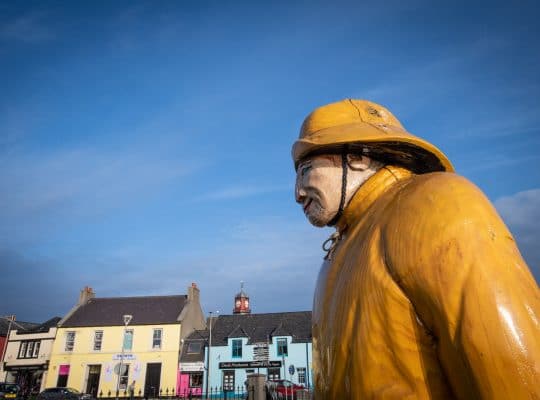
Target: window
point(228, 380)
point(282, 349)
point(301, 375)
point(70, 340)
point(29, 349)
point(128, 339)
point(194, 348)
point(195, 379)
point(156, 338)
point(237, 348)
point(274, 374)
point(124, 377)
point(98, 338)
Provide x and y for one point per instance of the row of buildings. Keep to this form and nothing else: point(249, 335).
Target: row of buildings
point(163, 345)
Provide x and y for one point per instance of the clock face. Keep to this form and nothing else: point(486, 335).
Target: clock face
point(237, 303)
point(246, 302)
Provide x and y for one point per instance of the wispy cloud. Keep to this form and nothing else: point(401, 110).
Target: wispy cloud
point(28, 28)
point(521, 212)
point(236, 192)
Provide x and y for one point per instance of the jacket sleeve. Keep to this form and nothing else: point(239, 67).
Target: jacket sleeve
point(458, 264)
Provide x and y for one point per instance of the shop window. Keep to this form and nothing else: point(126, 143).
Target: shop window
point(98, 338)
point(228, 380)
point(237, 348)
point(156, 338)
point(128, 339)
point(196, 380)
point(282, 349)
point(70, 340)
point(301, 376)
point(124, 377)
point(274, 374)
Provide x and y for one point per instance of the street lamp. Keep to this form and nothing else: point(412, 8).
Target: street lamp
point(208, 354)
point(127, 320)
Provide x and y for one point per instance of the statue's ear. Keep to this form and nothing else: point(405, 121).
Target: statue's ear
point(357, 162)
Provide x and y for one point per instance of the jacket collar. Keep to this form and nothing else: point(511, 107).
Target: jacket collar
point(370, 190)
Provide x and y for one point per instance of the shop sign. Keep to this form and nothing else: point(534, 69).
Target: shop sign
point(250, 364)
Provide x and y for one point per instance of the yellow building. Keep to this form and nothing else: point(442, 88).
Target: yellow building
point(140, 337)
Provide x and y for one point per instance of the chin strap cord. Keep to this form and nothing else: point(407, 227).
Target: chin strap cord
point(329, 245)
point(343, 188)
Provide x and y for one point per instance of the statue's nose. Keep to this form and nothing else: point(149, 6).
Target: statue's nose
point(299, 194)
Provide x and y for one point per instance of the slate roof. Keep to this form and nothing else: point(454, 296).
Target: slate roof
point(109, 311)
point(262, 327)
point(21, 326)
point(44, 327)
point(194, 337)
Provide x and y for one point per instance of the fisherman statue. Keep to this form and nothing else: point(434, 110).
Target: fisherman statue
point(423, 292)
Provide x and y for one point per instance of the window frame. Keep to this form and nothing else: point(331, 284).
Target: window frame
point(154, 331)
point(70, 341)
point(236, 348)
point(97, 341)
point(301, 375)
point(199, 375)
point(190, 346)
point(124, 378)
point(127, 333)
point(282, 350)
point(29, 349)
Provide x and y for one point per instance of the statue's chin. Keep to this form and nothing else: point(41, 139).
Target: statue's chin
point(320, 219)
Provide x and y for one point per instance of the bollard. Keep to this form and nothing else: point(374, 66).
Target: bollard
point(256, 389)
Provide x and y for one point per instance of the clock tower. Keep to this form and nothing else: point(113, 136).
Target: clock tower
point(241, 301)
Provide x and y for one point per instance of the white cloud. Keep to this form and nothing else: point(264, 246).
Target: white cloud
point(521, 212)
point(236, 192)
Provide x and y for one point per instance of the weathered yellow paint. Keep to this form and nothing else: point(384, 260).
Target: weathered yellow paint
point(358, 121)
point(83, 355)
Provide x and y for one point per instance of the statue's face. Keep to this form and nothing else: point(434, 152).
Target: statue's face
point(318, 188)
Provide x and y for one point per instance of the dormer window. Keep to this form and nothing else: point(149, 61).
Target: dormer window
point(236, 348)
point(282, 348)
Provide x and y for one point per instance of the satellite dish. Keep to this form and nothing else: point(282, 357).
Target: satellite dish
point(117, 369)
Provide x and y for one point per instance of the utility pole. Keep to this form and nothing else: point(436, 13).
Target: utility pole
point(127, 319)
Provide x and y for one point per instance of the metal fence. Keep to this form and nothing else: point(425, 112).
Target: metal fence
point(214, 393)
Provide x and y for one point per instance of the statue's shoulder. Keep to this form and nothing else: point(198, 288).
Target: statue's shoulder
point(438, 191)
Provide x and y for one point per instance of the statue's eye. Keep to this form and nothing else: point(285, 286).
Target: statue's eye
point(305, 169)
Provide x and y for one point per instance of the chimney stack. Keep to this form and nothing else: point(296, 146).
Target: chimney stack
point(86, 294)
point(193, 292)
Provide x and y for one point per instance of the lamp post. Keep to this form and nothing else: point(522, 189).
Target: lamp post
point(208, 354)
point(10, 318)
point(127, 320)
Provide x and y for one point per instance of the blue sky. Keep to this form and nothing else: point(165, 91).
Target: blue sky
point(146, 145)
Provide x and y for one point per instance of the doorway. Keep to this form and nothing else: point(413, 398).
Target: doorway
point(92, 384)
point(152, 381)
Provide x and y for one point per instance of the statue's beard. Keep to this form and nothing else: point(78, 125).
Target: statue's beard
point(318, 215)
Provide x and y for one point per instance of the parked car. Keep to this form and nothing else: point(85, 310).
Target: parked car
point(286, 389)
point(62, 393)
point(10, 391)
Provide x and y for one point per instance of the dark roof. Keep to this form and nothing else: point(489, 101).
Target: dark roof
point(262, 327)
point(20, 326)
point(44, 327)
point(194, 337)
point(146, 310)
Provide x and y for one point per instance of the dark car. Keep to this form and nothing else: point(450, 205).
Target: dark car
point(286, 389)
point(62, 393)
point(10, 391)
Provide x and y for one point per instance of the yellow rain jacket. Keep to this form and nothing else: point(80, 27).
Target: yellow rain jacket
point(425, 295)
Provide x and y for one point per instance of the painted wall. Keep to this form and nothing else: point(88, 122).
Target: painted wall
point(141, 354)
point(46, 339)
point(298, 356)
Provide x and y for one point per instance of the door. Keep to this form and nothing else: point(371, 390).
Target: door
point(152, 381)
point(92, 385)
